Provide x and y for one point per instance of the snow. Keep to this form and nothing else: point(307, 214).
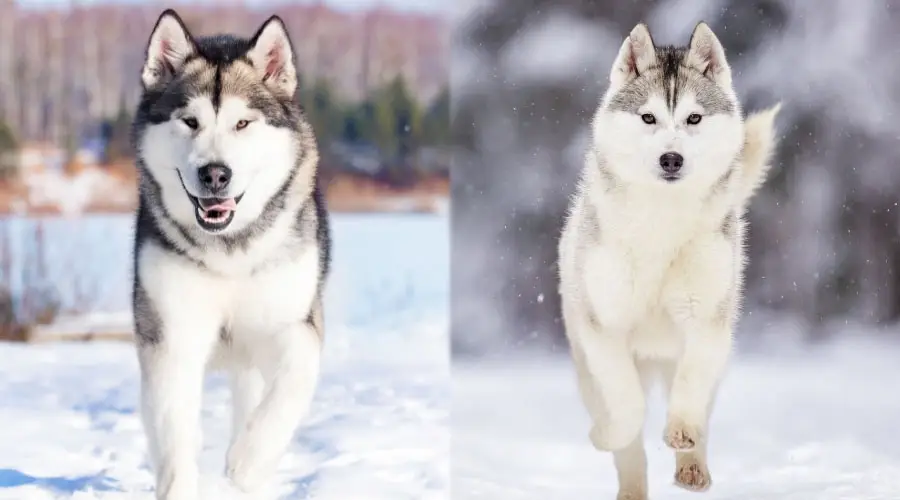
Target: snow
point(73, 193)
point(76, 326)
point(806, 423)
point(378, 429)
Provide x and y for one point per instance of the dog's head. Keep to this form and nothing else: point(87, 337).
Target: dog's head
point(218, 129)
point(670, 114)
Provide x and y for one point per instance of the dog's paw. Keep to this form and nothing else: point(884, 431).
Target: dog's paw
point(692, 475)
point(680, 436)
point(247, 466)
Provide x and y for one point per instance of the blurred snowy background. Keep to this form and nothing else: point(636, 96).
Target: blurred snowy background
point(527, 76)
point(806, 409)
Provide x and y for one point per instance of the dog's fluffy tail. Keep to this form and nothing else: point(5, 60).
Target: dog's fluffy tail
point(759, 144)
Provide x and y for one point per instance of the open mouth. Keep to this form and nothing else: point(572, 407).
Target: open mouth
point(670, 177)
point(215, 214)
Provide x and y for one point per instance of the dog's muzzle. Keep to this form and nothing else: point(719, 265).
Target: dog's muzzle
point(670, 163)
point(213, 213)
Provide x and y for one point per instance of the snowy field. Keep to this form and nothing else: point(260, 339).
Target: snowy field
point(379, 427)
point(810, 424)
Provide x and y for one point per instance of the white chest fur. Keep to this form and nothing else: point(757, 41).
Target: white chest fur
point(188, 298)
point(660, 265)
point(275, 298)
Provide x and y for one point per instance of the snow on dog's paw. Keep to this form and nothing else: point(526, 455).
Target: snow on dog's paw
point(680, 436)
point(632, 495)
point(692, 475)
point(246, 467)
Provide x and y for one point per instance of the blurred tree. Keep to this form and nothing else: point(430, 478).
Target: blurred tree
point(117, 138)
point(406, 110)
point(390, 118)
point(8, 147)
point(353, 126)
point(436, 122)
point(400, 118)
point(323, 110)
point(398, 126)
point(359, 122)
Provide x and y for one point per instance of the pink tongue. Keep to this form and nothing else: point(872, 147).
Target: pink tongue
point(224, 205)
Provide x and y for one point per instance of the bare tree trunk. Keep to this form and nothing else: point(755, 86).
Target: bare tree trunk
point(9, 89)
point(33, 59)
point(91, 68)
point(57, 77)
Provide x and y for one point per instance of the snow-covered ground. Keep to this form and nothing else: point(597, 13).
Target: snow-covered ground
point(379, 427)
point(809, 424)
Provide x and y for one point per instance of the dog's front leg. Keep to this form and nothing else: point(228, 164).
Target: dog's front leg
point(177, 323)
point(290, 366)
point(700, 299)
point(609, 370)
point(602, 324)
point(694, 383)
point(171, 394)
point(247, 386)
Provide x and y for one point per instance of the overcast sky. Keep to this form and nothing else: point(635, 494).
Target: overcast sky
point(414, 5)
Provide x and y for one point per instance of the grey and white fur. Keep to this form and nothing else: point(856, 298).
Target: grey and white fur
point(651, 255)
point(231, 249)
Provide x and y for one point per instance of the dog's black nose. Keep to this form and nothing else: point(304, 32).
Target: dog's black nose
point(671, 162)
point(214, 176)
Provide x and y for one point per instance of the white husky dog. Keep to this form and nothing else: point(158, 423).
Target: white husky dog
point(652, 251)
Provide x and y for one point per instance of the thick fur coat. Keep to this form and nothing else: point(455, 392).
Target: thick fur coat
point(651, 256)
point(231, 248)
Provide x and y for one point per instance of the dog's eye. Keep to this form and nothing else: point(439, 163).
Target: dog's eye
point(241, 124)
point(648, 118)
point(694, 119)
point(191, 123)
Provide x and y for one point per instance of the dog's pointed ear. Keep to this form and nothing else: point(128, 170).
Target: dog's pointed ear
point(707, 55)
point(635, 57)
point(170, 45)
point(273, 55)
